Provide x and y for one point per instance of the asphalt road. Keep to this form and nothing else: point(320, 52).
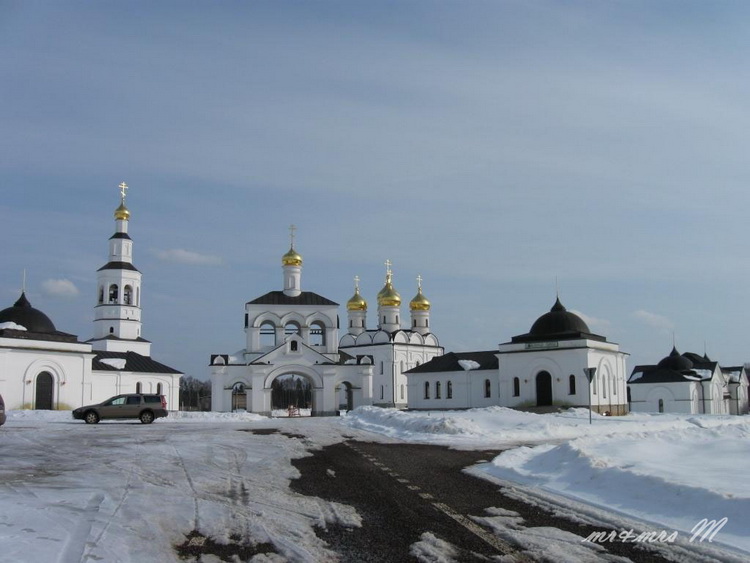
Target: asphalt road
point(403, 490)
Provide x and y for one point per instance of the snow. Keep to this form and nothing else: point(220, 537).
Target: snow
point(117, 363)
point(12, 326)
point(468, 365)
point(123, 491)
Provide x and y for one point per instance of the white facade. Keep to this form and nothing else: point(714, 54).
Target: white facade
point(289, 333)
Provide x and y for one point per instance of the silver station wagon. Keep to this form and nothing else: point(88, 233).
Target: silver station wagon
point(141, 406)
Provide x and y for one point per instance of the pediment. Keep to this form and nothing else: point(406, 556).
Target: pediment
point(293, 350)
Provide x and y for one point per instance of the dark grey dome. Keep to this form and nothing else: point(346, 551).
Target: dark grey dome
point(558, 321)
point(675, 361)
point(22, 313)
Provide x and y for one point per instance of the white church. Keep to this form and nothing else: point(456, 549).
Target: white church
point(291, 332)
point(45, 369)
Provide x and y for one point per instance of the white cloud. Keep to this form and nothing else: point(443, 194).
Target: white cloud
point(653, 320)
point(60, 288)
point(592, 321)
point(183, 256)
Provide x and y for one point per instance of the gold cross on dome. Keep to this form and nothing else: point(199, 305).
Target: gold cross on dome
point(356, 283)
point(419, 281)
point(292, 229)
point(388, 265)
point(123, 187)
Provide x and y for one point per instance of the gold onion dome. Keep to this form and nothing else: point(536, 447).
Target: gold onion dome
point(122, 213)
point(357, 302)
point(388, 296)
point(420, 302)
point(291, 258)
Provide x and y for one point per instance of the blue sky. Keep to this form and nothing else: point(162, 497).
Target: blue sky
point(491, 147)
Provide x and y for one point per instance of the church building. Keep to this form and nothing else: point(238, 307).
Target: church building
point(290, 333)
point(542, 368)
point(43, 368)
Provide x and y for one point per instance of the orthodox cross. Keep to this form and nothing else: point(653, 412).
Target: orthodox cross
point(388, 265)
point(123, 189)
point(292, 228)
point(356, 283)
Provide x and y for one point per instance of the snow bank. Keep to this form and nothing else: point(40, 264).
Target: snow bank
point(468, 365)
point(117, 363)
point(12, 326)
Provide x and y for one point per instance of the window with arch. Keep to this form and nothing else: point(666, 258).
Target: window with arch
point(516, 387)
point(137, 296)
point(414, 323)
point(382, 392)
point(402, 392)
point(487, 388)
point(267, 334)
point(661, 405)
point(138, 387)
point(449, 390)
point(158, 388)
point(426, 389)
point(427, 322)
point(572, 385)
point(101, 295)
point(114, 293)
point(381, 368)
point(127, 295)
point(291, 328)
point(111, 330)
point(437, 390)
point(317, 334)
point(604, 386)
point(293, 345)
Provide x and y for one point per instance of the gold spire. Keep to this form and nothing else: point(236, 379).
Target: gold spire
point(420, 302)
point(122, 213)
point(388, 296)
point(291, 258)
point(357, 302)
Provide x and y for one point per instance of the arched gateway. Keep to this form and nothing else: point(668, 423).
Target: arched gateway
point(289, 334)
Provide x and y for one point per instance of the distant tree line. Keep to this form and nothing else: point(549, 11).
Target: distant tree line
point(195, 394)
point(291, 391)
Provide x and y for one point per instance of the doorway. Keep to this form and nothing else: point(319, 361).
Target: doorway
point(543, 389)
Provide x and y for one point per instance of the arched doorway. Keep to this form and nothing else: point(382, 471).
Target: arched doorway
point(291, 395)
point(44, 391)
point(345, 396)
point(239, 397)
point(543, 389)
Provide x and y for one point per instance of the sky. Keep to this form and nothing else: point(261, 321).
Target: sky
point(504, 151)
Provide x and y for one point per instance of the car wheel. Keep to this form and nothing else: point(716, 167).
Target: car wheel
point(147, 417)
point(91, 417)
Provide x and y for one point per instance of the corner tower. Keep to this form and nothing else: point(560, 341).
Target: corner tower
point(117, 314)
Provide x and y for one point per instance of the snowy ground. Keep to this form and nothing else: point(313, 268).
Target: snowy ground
point(122, 491)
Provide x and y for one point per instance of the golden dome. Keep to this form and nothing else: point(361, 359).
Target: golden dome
point(420, 302)
point(122, 213)
point(357, 302)
point(388, 296)
point(291, 258)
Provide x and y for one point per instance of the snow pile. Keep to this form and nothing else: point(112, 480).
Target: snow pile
point(468, 365)
point(117, 363)
point(672, 479)
point(12, 326)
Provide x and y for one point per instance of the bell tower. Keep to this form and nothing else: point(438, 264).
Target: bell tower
point(117, 313)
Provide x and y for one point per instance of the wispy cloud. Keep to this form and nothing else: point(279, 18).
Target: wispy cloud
point(59, 288)
point(593, 321)
point(183, 256)
point(653, 320)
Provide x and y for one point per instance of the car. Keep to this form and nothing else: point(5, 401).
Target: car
point(142, 406)
point(2, 411)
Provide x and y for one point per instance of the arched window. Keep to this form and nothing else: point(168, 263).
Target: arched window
point(113, 293)
point(381, 368)
point(382, 392)
point(293, 345)
point(137, 296)
point(661, 405)
point(437, 389)
point(572, 385)
point(449, 390)
point(101, 295)
point(291, 328)
point(317, 334)
point(158, 388)
point(487, 388)
point(267, 334)
point(402, 392)
point(127, 295)
point(516, 387)
point(426, 389)
point(604, 386)
point(138, 387)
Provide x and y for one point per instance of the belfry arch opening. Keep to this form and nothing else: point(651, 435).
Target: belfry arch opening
point(292, 395)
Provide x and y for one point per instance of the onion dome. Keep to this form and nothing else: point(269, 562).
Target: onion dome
point(558, 321)
point(291, 258)
point(357, 302)
point(22, 313)
point(420, 302)
point(122, 213)
point(675, 361)
point(388, 296)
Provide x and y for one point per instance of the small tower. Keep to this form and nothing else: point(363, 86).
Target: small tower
point(357, 310)
point(117, 314)
point(389, 303)
point(420, 311)
point(292, 265)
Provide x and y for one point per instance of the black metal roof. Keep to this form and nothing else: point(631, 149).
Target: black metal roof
point(120, 235)
point(118, 266)
point(558, 324)
point(449, 362)
point(280, 298)
point(113, 337)
point(133, 362)
point(23, 314)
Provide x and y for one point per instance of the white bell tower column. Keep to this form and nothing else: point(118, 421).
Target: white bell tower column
point(357, 310)
point(292, 265)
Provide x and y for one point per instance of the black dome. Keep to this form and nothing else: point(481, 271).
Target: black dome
point(558, 321)
point(676, 362)
point(22, 313)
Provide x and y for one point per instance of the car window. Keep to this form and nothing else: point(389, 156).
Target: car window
point(152, 399)
point(134, 400)
point(116, 401)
